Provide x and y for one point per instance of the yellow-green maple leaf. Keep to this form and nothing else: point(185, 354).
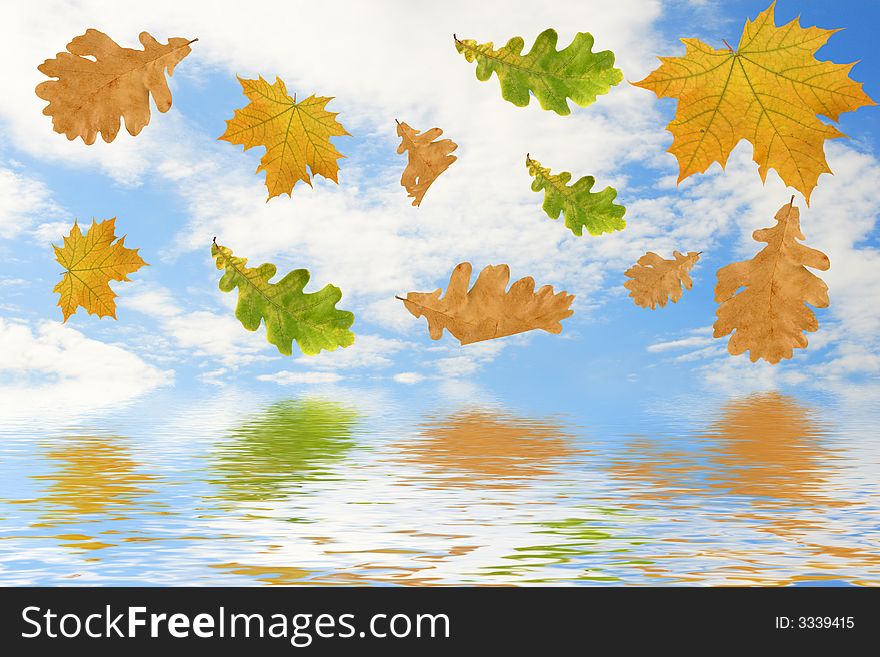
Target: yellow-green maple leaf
point(768, 91)
point(91, 261)
point(296, 134)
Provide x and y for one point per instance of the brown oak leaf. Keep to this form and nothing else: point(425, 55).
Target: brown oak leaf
point(768, 317)
point(655, 280)
point(98, 81)
point(487, 311)
point(427, 159)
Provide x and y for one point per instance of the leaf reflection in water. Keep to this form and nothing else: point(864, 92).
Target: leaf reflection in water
point(592, 547)
point(763, 464)
point(769, 447)
point(488, 449)
point(96, 483)
point(276, 451)
point(766, 447)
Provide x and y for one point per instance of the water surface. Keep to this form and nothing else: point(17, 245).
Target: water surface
point(762, 489)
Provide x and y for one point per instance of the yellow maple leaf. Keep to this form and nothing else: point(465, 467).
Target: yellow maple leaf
point(768, 91)
point(487, 311)
point(91, 261)
point(427, 158)
point(769, 315)
point(296, 135)
point(98, 81)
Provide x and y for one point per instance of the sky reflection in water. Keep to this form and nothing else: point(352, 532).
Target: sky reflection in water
point(762, 489)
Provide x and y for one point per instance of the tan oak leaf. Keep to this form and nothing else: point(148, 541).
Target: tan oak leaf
point(97, 81)
point(488, 310)
point(428, 158)
point(655, 280)
point(768, 316)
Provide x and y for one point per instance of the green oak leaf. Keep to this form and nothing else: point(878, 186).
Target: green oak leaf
point(553, 76)
point(581, 207)
point(311, 319)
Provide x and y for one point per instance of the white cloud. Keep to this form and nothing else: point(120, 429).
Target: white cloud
point(14, 282)
point(683, 343)
point(56, 371)
point(409, 378)
point(456, 362)
point(220, 337)
point(853, 359)
point(217, 336)
point(367, 351)
point(718, 349)
point(286, 378)
point(154, 301)
point(214, 377)
point(740, 376)
point(23, 201)
point(457, 366)
point(51, 231)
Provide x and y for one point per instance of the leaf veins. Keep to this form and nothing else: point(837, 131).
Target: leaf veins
point(768, 91)
point(296, 135)
point(90, 262)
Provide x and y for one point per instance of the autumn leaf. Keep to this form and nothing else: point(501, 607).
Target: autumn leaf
point(296, 135)
point(98, 82)
point(310, 318)
point(91, 261)
point(575, 72)
point(767, 91)
point(581, 208)
point(655, 280)
point(487, 311)
point(427, 159)
point(769, 316)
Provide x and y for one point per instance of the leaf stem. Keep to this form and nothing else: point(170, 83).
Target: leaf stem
point(728, 45)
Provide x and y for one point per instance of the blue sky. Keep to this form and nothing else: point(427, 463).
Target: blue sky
point(175, 186)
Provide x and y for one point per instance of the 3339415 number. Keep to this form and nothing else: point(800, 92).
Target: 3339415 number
point(826, 622)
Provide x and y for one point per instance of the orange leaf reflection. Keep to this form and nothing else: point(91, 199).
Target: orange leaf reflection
point(489, 449)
